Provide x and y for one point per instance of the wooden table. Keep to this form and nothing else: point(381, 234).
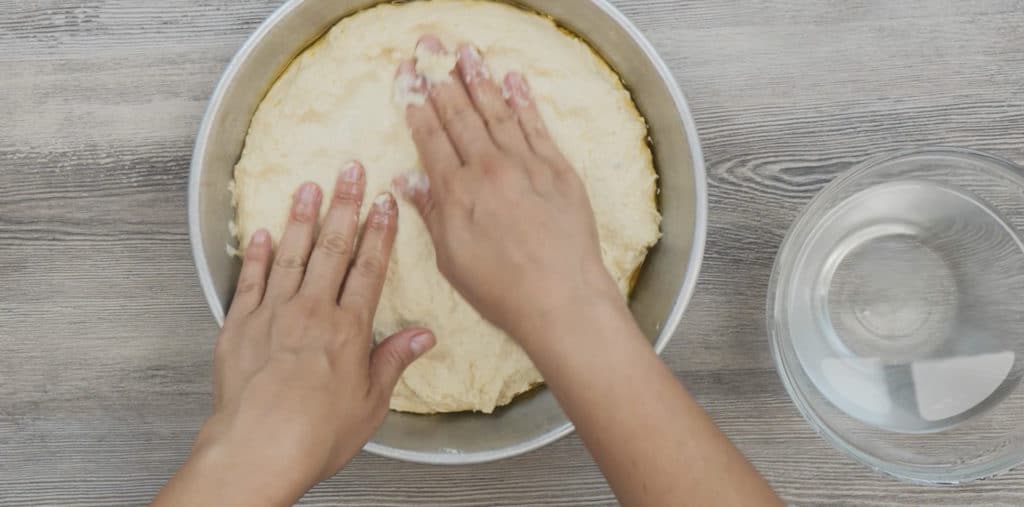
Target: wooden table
point(105, 339)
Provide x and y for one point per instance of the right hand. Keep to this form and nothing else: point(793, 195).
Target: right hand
point(511, 222)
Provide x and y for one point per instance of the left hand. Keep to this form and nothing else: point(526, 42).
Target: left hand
point(298, 387)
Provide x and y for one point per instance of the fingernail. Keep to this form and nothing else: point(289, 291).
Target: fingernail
point(470, 53)
point(413, 183)
point(421, 343)
point(410, 87)
point(473, 68)
point(384, 202)
point(352, 173)
point(306, 200)
point(429, 44)
point(516, 90)
point(261, 237)
point(308, 194)
point(434, 62)
point(383, 209)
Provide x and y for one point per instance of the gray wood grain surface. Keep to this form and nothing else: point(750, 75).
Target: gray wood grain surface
point(106, 341)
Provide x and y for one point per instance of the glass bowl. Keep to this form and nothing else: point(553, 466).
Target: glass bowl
point(896, 314)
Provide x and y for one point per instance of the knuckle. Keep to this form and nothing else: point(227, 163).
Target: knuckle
point(536, 131)
point(335, 244)
point(256, 255)
point(346, 195)
point(491, 162)
point(290, 262)
point(354, 320)
point(302, 308)
point(394, 356)
point(427, 132)
point(304, 217)
point(508, 180)
point(501, 117)
point(381, 221)
point(288, 341)
point(463, 200)
point(458, 113)
point(446, 183)
point(540, 176)
point(249, 285)
point(371, 266)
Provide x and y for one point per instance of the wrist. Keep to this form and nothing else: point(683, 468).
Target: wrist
point(224, 470)
point(560, 314)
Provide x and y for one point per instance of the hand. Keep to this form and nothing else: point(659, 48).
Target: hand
point(515, 235)
point(510, 219)
point(297, 389)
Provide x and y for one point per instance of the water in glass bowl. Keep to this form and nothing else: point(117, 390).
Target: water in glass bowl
point(905, 282)
point(896, 314)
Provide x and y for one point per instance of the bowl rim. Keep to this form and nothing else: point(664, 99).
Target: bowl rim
point(671, 324)
point(911, 474)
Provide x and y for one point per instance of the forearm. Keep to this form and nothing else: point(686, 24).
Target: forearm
point(651, 439)
point(222, 476)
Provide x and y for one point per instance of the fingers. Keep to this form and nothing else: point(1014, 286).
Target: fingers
point(517, 91)
point(366, 278)
point(487, 96)
point(393, 355)
point(293, 251)
point(435, 149)
point(334, 247)
point(415, 188)
point(462, 122)
point(252, 281)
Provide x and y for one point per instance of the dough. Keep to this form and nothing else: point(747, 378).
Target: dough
point(336, 103)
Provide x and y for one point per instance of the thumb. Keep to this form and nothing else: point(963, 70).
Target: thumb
point(393, 355)
point(415, 188)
